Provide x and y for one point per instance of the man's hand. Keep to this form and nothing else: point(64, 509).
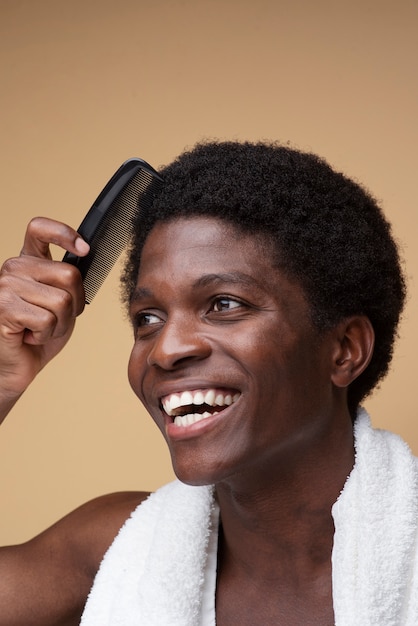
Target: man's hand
point(39, 302)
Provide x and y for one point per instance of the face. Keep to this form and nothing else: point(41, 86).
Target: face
point(225, 358)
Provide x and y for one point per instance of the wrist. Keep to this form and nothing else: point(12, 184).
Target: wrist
point(8, 399)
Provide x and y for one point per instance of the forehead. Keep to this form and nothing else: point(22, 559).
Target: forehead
point(204, 241)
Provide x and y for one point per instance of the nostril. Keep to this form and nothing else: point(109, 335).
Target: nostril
point(173, 349)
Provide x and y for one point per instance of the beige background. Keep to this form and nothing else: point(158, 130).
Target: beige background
point(86, 84)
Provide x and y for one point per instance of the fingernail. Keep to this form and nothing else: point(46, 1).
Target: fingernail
point(81, 245)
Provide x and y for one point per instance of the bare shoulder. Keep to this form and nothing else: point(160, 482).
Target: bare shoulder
point(46, 580)
point(91, 528)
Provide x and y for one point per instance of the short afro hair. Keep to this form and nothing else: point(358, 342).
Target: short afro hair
point(328, 233)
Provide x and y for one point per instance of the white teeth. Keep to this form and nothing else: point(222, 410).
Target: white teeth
point(191, 418)
point(176, 400)
point(210, 397)
point(173, 402)
point(198, 398)
point(188, 398)
point(219, 400)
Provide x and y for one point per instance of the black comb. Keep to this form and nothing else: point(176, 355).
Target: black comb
point(107, 226)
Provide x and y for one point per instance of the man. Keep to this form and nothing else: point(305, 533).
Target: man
point(264, 291)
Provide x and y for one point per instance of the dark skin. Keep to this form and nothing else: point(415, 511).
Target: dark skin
point(210, 312)
point(45, 582)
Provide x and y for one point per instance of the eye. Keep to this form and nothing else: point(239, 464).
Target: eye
point(224, 303)
point(146, 319)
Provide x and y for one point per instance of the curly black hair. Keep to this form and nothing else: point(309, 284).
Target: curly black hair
point(329, 233)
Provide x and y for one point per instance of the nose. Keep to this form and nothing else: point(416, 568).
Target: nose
point(179, 342)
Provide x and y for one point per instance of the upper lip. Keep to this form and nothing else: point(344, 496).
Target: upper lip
point(173, 403)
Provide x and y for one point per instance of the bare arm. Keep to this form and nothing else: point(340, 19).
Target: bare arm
point(45, 582)
point(39, 301)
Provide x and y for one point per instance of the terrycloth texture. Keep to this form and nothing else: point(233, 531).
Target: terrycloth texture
point(375, 564)
point(152, 575)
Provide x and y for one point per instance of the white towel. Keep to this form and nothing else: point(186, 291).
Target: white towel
point(153, 573)
point(374, 561)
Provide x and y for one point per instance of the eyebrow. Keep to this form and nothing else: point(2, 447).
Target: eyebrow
point(227, 277)
point(206, 280)
point(140, 293)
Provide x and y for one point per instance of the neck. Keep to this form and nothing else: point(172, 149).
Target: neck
point(282, 515)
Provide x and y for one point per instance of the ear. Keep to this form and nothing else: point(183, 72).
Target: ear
point(353, 349)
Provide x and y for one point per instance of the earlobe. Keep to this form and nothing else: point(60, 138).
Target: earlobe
point(353, 349)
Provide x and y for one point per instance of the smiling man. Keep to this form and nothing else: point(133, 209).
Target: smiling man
point(264, 291)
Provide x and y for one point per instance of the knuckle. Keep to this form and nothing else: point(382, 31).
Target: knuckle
point(69, 272)
point(65, 300)
point(7, 285)
point(49, 319)
point(10, 266)
point(35, 224)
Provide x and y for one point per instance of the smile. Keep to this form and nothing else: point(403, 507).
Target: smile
point(189, 407)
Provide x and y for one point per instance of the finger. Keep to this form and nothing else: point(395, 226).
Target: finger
point(51, 285)
point(30, 323)
point(36, 322)
point(42, 231)
point(24, 352)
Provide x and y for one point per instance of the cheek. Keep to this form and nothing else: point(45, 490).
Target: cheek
point(136, 370)
point(283, 368)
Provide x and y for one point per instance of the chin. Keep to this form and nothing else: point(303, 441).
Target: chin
point(193, 477)
point(197, 472)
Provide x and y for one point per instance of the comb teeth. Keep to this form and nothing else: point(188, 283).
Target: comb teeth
point(113, 234)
